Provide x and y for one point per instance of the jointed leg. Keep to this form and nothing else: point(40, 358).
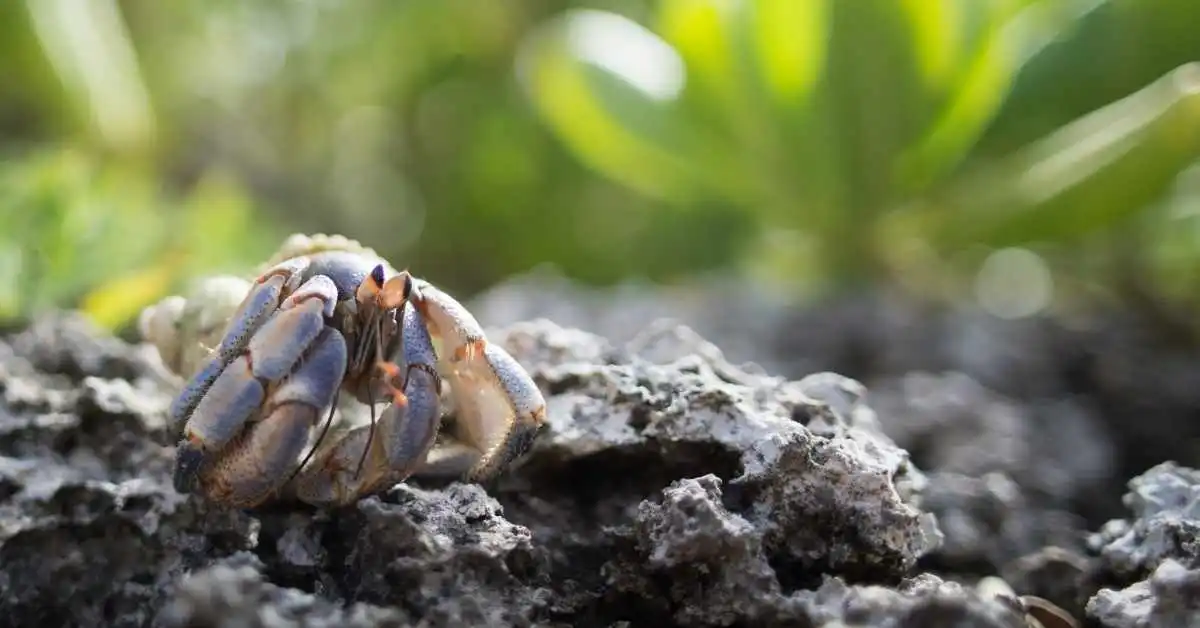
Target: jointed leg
point(499, 411)
point(258, 307)
point(264, 457)
point(499, 407)
point(400, 441)
point(239, 388)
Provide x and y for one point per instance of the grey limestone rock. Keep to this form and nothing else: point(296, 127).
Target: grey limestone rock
point(1169, 598)
point(838, 497)
point(1165, 504)
point(1156, 552)
point(669, 486)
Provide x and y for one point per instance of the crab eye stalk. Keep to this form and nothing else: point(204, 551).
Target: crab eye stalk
point(396, 290)
point(371, 286)
point(408, 285)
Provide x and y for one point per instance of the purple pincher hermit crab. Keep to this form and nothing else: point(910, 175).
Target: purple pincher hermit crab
point(325, 322)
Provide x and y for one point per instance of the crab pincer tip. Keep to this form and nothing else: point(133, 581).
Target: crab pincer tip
point(189, 458)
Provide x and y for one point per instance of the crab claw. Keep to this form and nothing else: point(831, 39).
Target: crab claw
point(364, 461)
point(499, 409)
point(461, 335)
point(247, 413)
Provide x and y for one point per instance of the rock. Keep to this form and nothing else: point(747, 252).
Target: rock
point(1059, 575)
point(998, 476)
point(1161, 540)
point(669, 486)
point(988, 521)
point(233, 592)
point(714, 561)
point(1109, 380)
point(742, 317)
point(826, 499)
point(1169, 598)
point(709, 567)
point(1165, 503)
point(956, 425)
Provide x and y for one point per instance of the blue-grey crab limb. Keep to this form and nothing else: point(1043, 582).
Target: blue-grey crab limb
point(244, 381)
point(337, 320)
point(498, 407)
point(369, 458)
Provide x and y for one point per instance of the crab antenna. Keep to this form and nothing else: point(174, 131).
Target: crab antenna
point(371, 394)
point(320, 438)
point(370, 433)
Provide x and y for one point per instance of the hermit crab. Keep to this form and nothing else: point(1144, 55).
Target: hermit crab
point(328, 316)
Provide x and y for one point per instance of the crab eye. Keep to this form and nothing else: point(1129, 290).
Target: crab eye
point(377, 275)
point(408, 285)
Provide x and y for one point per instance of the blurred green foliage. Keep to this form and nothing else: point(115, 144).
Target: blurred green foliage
point(854, 125)
point(814, 142)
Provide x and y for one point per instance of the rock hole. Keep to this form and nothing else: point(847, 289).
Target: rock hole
point(629, 474)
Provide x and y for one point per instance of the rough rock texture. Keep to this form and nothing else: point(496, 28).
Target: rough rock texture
point(1169, 598)
point(1165, 502)
point(997, 480)
point(1153, 557)
point(1111, 383)
point(1027, 430)
point(670, 487)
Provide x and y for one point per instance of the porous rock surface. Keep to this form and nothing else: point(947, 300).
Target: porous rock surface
point(1155, 555)
point(669, 487)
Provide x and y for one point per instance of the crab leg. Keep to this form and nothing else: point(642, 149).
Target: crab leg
point(238, 389)
point(262, 459)
point(254, 311)
point(499, 407)
point(460, 333)
point(402, 438)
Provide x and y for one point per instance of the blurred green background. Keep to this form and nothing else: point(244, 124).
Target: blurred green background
point(1024, 154)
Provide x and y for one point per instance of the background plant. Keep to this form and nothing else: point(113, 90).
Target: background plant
point(816, 144)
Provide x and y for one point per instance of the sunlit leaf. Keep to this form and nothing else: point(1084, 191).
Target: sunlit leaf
point(10, 280)
point(1013, 32)
point(700, 30)
point(1093, 172)
point(217, 229)
point(1174, 230)
point(88, 45)
point(605, 84)
point(937, 37)
point(791, 37)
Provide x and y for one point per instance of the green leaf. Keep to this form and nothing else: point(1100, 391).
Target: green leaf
point(701, 31)
point(217, 229)
point(790, 37)
point(1090, 174)
point(938, 38)
point(605, 85)
point(1012, 32)
point(114, 303)
point(776, 47)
